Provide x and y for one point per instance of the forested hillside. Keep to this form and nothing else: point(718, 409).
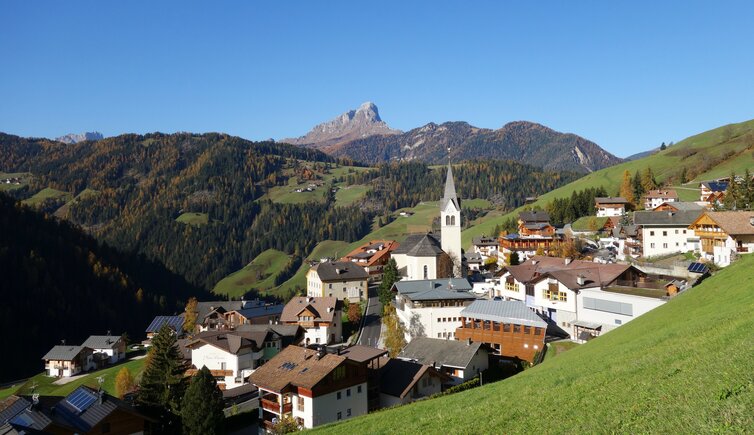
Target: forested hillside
point(61, 284)
point(207, 205)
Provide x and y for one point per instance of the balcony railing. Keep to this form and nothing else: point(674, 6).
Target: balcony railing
point(269, 405)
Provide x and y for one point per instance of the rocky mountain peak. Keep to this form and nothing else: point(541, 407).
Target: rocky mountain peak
point(72, 138)
point(353, 124)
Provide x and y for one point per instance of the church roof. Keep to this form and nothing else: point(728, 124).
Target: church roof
point(450, 192)
point(420, 245)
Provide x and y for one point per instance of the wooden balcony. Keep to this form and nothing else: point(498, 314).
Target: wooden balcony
point(270, 403)
point(192, 372)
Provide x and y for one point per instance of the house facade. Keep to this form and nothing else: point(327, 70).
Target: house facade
point(319, 317)
point(712, 192)
point(460, 361)
point(338, 279)
point(107, 349)
point(229, 355)
point(654, 198)
point(312, 387)
point(485, 246)
point(431, 308)
point(667, 232)
point(63, 361)
point(610, 206)
point(724, 235)
point(508, 328)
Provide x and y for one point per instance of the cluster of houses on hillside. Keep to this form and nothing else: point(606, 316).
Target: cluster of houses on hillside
point(458, 320)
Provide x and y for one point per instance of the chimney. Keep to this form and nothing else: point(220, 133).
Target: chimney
point(108, 332)
point(62, 342)
point(468, 342)
point(100, 396)
point(751, 221)
point(321, 352)
point(567, 261)
point(338, 270)
point(580, 280)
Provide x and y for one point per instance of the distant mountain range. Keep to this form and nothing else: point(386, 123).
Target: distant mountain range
point(354, 124)
point(362, 136)
point(79, 137)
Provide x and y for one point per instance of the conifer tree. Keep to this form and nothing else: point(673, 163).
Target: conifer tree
point(202, 406)
point(162, 383)
point(389, 277)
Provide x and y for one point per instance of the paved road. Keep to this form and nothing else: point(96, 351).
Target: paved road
point(370, 333)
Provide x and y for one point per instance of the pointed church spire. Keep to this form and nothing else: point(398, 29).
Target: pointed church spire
point(450, 186)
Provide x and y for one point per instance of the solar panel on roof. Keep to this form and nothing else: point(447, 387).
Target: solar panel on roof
point(22, 420)
point(81, 399)
point(698, 268)
point(288, 366)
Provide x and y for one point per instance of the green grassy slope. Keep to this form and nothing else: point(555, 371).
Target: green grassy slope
point(192, 218)
point(686, 367)
point(44, 384)
point(47, 193)
point(731, 144)
point(325, 248)
point(259, 274)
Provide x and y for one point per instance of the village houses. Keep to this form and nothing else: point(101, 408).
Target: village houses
point(339, 279)
point(610, 206)
point(372, 257)
point(724, 235)
point(654, 198)
point(667, 232)
point(535, 233)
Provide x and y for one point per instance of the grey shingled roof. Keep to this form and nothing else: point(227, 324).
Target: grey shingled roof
point(63, 352)
point(450, 353)
point(534, 216)
point(450, 191)
point(435, 289)
point(666, 218)
point(611, 200)
point(101, 341)
point(515, 312)
point(340, 270)
point(683, 206)
point(420, 245)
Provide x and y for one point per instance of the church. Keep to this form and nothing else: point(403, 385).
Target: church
point(423, 256)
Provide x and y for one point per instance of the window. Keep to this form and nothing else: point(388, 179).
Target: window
point(618, 322)
point(439, 335)
point(651, 233)
point(348, 392)
point(426, 272)
point(300, 403)
point(676, 231)
point(222, 366)
point(340, 415)
point(664, 233)
point(348, 412)
point(516, 328)
point(338, 374)
point(527, 329)
point(452, 220)
point(529, 289)
point(665, 245)
point(684, 231)
point(555, 295)
point(329, 286)
point(337, 396)
point(652, 245)
point(358, 389)
point(447, 220)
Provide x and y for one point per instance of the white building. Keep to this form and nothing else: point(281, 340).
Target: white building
point(460, 360)
point(107, 348)
point(450, 222)
point(667, 232)
point(312, 387)
point(63, 361)
point(555, 288)
point(431, 308)
point(339, 279)
point(655, 198)
point(229, 355)
point(419, 257)
point(610, 206)
point(724, 235)
point(320, 317)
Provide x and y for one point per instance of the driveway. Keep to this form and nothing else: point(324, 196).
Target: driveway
point(372, 324)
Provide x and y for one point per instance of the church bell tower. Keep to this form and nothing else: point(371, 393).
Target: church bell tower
point(450, 222)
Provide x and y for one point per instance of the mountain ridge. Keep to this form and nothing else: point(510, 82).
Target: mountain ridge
point(353, 124)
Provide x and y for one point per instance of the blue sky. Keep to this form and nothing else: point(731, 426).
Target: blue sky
point(627, 76)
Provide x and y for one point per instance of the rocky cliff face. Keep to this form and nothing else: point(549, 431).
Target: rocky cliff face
point(352, 125)
point(79, 137)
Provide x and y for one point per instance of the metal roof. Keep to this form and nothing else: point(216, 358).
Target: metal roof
point(340, 270)
point(515, 312)
point(435, 289)
point(682, 218)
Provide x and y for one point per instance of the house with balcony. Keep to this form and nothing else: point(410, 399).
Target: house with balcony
point(654, 198)
point(312, 387)
point(667, 232)
point(556, 288)
point(106, 349)
point(485, 246)
point(431, 308)
point(610, 206)
point(64, 361)
point(319, 317)
point(713, 192)
point(724, 235)
point(460, 361)
point(535, 233)
point(508, 328)
point(231, 356)
point(372, 257)
point(339, 279)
